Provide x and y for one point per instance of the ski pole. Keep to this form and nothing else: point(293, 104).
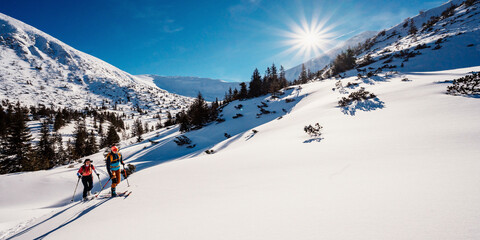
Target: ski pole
point(100, 181)
point(75, 190)
point(126, 176)
point(102, 188)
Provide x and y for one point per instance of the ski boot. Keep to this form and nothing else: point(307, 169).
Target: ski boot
point(114, 193)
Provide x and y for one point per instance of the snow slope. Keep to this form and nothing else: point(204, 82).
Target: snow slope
point(36, 68)
point(320, 62)
point(452, 42)
point(190, 86)
point(401, 166)
point(404, 169)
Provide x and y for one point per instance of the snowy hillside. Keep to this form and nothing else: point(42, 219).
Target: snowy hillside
point(442, 38)
point(36, 68)
point(320, 62)
point(190, 86)
point(393, 165)
point(400, 163)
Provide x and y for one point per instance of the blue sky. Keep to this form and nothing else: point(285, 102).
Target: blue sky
point(216, 39)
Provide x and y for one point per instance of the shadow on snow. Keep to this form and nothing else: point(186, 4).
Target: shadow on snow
point(366, 106)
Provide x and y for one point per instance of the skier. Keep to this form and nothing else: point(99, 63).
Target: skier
point(85, 172)
point(113, 160)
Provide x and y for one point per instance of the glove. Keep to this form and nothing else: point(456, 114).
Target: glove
point(110, 174)
point(98, 175)
point(123, 164)
point(79, 176)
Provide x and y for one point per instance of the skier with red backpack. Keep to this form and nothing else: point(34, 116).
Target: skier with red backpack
point(85, 173)
point(113, 160)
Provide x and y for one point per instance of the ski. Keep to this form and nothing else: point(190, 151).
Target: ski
point(128, 194)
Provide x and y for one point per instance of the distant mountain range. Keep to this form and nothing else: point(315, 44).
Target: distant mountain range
point(191, 86)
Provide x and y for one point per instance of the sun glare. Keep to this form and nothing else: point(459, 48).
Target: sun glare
point(309, 39)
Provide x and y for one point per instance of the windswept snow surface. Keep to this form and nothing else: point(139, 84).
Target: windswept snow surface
point(405, 167)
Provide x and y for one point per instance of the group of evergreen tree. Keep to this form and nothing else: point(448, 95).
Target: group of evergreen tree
point(198, 114)
point(344, 61)
point(271, 82)
point(17, 153)
point(306, 75)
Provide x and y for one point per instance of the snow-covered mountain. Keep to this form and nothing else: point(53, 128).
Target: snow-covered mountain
point(36, 68)
point(400, 165)
point(320, 62)
point(446, 37)
point(190, 86)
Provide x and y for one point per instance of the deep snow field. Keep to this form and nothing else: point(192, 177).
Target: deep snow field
point(402, 166)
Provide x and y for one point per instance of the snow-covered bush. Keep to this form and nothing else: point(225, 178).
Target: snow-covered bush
point(359, 95)
point(209, 151)
point(469, 85)
point(238, 115)
point(182, 140)
point(352, 85)
point(313, 131)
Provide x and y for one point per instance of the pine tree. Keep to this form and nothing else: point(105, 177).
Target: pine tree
point(235, 95)
point(138, 129)
point(198, 112)
point(112, 137)
point(266, 81)
point(344, 61)
point(185, 121)
point(255, 87)
point(59, 121)
point(18, 148)
point(213, 111)
point(243, 91)
point(282, 79)
point(61, 155)
point(147, 128)
point(70, 151)
point(3, 122)
point(303, 78)
point(229, 96)
point(92, 146)
point(46, 152)
point(170, 120)
point(81, 136)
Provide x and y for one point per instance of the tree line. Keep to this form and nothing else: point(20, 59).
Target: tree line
point(19, 151)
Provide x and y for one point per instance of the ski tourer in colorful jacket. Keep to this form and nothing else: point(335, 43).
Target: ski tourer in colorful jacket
point(113, 161)
point(86, 170)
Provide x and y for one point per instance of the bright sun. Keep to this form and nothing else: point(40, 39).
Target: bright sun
point(308, 39)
